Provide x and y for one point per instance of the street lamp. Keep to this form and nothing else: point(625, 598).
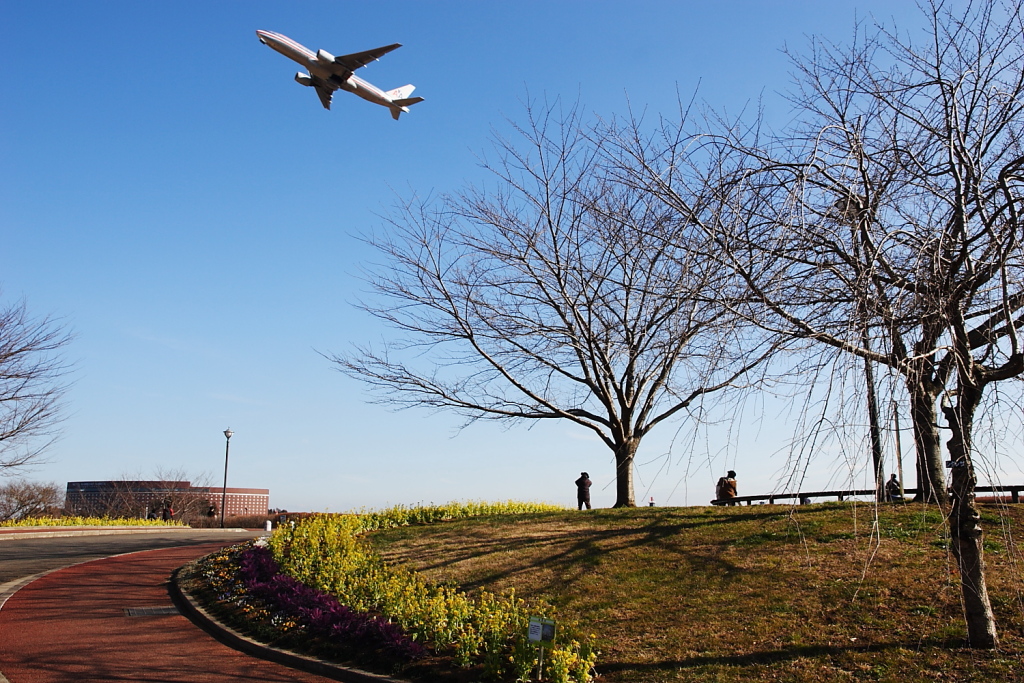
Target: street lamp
point(224, 491)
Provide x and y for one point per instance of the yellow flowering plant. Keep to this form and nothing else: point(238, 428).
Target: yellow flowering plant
point(325, 552)
point(68, 521)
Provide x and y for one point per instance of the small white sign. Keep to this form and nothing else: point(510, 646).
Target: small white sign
point(541, 631)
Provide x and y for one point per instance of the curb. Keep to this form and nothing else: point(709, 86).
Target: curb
point(72, 532)
point(198, 615)
point(11, 587)
point(8, 589)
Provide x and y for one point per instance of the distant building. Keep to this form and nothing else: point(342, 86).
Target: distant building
point(125, 498)
point(150, 498)
point(241, 501)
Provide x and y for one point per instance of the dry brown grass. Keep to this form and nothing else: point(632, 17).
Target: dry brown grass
point(813, 593)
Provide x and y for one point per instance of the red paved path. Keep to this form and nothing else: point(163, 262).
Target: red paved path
point(71, 626)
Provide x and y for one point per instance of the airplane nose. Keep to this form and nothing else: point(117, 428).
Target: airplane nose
point(262, 35)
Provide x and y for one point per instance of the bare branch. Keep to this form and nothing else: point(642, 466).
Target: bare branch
point(559, 293)
point(32, 385)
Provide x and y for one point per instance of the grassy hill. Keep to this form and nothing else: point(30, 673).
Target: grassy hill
point(828, 592)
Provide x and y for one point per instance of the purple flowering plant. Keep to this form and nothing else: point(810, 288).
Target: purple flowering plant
point(321, 615)
point(244, 586)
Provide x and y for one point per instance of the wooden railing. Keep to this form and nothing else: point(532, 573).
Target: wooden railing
point(841, 495)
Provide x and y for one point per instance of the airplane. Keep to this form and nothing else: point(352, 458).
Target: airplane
point(327, 73)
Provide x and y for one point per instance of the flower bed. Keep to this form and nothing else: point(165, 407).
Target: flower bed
point(318, 588)
point(86, 521)
point(245, 583)
point(485, 631)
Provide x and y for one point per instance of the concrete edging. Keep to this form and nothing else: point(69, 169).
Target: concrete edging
point(72, 532)
point(11, 587)
point(8, 589)
point(195, 612)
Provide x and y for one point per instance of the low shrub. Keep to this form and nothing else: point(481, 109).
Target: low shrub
point(319, 613)
point(325, 553)
point(88, 521)
point(403, 515)
point(249, 591)
point(232, 521)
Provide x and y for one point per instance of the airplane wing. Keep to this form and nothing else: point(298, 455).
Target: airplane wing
point(357, 60)
point(325, 95)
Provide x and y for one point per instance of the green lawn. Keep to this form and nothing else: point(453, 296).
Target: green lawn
point(764, 593)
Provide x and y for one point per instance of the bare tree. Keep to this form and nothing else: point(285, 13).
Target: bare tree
point(558, 294)
point(20, 499)
point(886, 225)
point(32, 384)
point(131, 496)
point(191, 502)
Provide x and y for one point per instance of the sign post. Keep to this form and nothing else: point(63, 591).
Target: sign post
point(542, 634)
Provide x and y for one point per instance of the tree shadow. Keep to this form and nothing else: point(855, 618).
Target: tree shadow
point(570, 553)
point(769, 657)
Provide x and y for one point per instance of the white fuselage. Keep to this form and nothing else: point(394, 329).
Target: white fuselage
point(324, 73)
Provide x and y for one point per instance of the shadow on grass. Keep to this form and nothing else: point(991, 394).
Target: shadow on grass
point(574, 551)
point(769, 657)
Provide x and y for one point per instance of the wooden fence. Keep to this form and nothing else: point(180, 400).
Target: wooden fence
point(809, 496)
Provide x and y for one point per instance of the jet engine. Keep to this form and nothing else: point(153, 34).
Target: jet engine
point(325, 56)
point(349, 85)
point(303, 79)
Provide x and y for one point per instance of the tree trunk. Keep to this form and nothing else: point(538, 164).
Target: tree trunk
point(624, 454)
point(876, 437)
point(931, 478)
point(965, 533)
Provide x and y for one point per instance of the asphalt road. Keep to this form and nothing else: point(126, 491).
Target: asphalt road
point(20, 557)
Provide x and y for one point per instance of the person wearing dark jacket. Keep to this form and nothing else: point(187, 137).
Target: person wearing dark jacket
point(725, 489)
point(583, 490)
point(893, 490)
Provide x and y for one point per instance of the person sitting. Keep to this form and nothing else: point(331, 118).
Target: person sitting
point(893, 490)
point(725, 490)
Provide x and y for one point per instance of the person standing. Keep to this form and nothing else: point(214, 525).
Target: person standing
point(725, 490)
point(583, 491)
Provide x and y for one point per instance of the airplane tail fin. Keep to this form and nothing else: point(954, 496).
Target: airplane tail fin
point(401, 93)
point(402, 103)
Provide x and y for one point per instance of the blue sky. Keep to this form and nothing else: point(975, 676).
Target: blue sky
point(190, 211)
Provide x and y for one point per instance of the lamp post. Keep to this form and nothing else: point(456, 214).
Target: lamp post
point(224, 491)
